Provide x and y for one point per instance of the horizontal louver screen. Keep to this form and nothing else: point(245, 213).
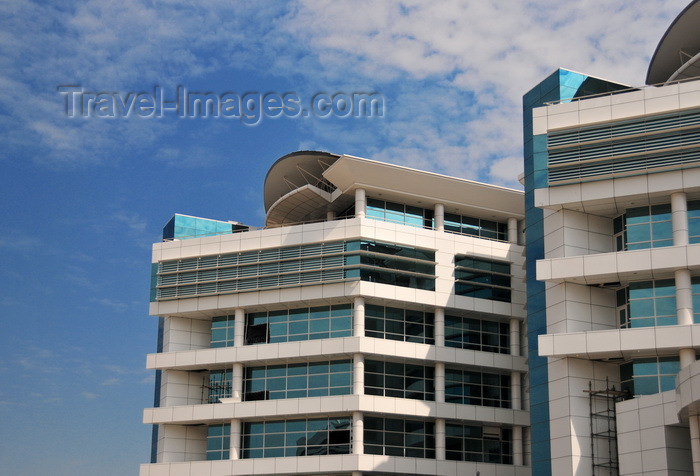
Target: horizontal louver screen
point(624, 148)
point(291, 266)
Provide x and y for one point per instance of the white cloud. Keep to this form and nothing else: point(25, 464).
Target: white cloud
point(453, 73)
point(132, 221)
point(502, 170)
point(494, 51)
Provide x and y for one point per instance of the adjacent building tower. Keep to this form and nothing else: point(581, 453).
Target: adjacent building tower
point(374, 326)
point(612, 181)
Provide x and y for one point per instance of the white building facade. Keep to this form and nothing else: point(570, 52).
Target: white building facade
point(613, 220)
point(374, 326)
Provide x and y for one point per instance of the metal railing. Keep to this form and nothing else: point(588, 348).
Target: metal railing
point(624, 90)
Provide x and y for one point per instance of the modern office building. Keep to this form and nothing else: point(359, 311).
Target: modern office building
point(373, 326)
point(612, 193)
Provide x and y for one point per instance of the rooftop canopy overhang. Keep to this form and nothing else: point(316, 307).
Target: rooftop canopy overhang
point(425, 189)
point(676, 56)
point(303, 186)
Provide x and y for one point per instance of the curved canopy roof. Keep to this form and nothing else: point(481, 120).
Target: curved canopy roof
point(295, 170)
point(676, 55)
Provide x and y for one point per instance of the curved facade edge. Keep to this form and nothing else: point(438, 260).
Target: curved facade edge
point(688, 391)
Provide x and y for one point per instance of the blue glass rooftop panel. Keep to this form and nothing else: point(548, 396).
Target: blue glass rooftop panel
point(181, 227)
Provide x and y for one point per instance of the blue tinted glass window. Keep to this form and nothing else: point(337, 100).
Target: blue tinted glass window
point(644, 227)
point(219, 385)
point(471, 387)
point(218, 442)
point(649, 303)
point(695, 287)
point(301, 324)
point(311, 437)
point(308, 379)
point(694, 221)
point(399, 213)
point(399, 324)
point(399, 380)
point(392, 264)
point(222, 331)
point(485, 279)
point(649, 376)
point(465, 225)
point(478, 444)
point(394, 437)
point(477, 334)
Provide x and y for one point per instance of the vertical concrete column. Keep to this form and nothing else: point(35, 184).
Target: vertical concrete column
point(440, 439)
point(515, 391)
point(235, 448)
point(684, 297)
point(358, 374)
point(439, 326)
point(679, 218)
point(684, 292)
point(358, 433)
point(330, 215)
point(517, 445)
point(237, 383)
point(360, 203)
point(439, 215)
point(439, 382)
point(694, 424)
point(513, 230)
point(686, 357)
point(238, 327)
point(514, 337)
point(359, 317)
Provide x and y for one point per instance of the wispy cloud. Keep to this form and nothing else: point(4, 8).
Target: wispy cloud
point(481, 57)
point(196, 154)
point(132, 221)
point(453, 74)
point(60, 373)
point(111, 303)
point(44, 398)
point(16, 240)
point(117, 369)
point(107, 46)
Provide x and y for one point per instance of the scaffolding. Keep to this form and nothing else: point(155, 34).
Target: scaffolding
point(604, 429)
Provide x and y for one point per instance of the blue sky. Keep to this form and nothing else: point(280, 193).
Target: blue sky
point(83, 198)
